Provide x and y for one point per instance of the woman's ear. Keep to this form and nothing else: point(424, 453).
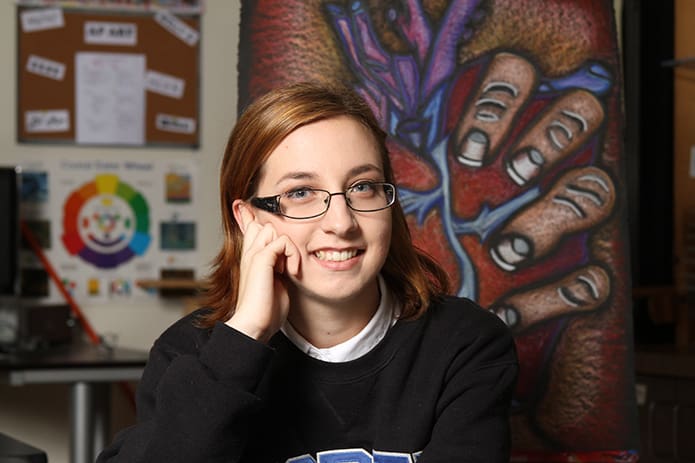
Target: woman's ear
point(243, 214)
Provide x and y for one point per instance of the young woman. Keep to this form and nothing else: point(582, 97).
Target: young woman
point(326, 335)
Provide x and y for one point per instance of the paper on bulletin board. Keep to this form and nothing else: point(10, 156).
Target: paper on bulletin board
point(177, 27)
point(45, 67)
point(110, 98)
point(42, 19)
point(110, 33)
point(106, 224)
point(49, 121)
point(164, 84)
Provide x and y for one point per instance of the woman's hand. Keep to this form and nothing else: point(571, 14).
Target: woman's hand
point(266, 261)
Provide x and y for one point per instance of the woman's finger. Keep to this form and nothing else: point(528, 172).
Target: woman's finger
point(292, 257)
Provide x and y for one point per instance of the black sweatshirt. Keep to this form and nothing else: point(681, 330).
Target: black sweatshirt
point(436, 389)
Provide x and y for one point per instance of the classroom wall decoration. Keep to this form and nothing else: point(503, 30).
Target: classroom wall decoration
point(505, 119)
point(101, 76)
point(106, 224)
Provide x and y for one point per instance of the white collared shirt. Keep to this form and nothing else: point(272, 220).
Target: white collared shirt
point(358, 345)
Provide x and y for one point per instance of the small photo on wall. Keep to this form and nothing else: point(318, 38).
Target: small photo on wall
point(178, 188)
point(120, 287)
point(70, 285)
point(34, 187)
point(96, 287)
point(177, 236)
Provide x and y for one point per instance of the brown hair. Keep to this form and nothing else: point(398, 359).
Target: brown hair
point(412, 276)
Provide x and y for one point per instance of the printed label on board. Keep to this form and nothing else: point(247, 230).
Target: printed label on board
point(169, 123)
point(39, 20)
point(164, 84)
point(57, 120)
point(110, 33)
point(177, 27)
point(46, 67)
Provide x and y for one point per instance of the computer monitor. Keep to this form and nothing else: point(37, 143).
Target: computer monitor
point(9, 231)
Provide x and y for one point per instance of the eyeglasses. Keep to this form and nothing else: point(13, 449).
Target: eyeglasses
point(307, 203)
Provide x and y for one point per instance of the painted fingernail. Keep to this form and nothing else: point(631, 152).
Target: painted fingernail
point(510, 252)
point(525, 166)
point(508, 315)
point(474, 148)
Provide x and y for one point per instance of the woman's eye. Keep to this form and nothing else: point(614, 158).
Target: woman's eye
point(362, 188)
point(299, 194)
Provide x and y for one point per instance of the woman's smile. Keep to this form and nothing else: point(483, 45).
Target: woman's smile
point(336, 256)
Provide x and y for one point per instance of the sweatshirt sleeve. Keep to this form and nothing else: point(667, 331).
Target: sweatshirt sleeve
point(195, 398)
point(474, 408)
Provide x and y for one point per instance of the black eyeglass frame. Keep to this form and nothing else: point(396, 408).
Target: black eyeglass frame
point(272, 203)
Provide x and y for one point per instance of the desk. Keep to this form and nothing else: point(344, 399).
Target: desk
point(89, 370)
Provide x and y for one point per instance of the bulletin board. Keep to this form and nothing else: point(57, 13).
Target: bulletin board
point(108, 78)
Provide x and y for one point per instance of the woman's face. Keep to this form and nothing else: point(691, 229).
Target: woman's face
point(341, 251)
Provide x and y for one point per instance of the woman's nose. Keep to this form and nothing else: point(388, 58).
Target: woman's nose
point(339, 218)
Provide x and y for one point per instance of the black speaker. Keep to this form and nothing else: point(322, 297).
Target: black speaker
point(46, 325)
point(30, 328)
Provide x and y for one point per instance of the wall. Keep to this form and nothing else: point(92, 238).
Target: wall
point(39, 414)
point(684, 123)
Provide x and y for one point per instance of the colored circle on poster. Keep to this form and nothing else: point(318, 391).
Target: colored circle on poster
point(106, 222)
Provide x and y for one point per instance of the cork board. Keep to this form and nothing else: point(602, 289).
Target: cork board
point(107, 78)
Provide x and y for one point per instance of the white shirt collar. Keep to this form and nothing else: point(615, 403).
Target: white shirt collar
point(364, 341)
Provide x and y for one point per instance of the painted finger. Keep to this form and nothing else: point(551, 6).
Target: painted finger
point(561, 129)
point(582, 199)
point(581, 291)
point(505, 88)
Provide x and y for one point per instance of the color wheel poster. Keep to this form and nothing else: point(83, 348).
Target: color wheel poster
point(104, 225)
